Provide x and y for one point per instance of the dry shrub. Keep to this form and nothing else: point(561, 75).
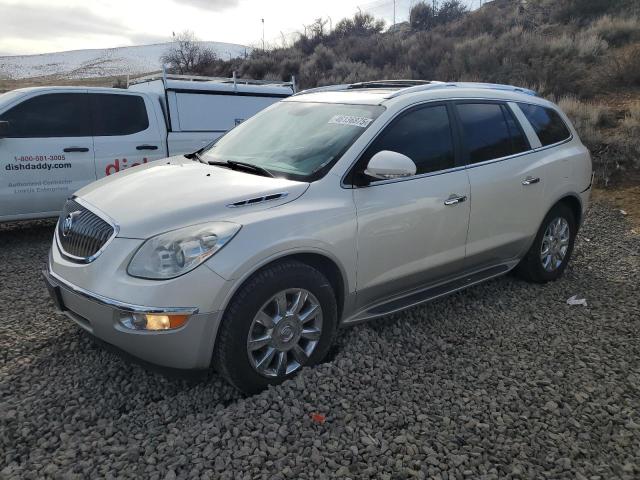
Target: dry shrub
point(352, 72)
point(589, 119)
point(629, 133)
point(616, 31)
point(625, 66)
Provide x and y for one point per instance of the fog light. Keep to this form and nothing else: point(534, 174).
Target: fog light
point(149, 321)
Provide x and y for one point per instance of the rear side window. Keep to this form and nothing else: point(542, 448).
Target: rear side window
point(118, 114)
point(546, 122)
point(485, 132)
point(423, 135)
point(50, 115)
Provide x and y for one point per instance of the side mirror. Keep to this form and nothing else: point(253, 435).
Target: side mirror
point(387, 165)
point(4, 128)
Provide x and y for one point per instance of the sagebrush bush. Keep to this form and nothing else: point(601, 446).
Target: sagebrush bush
point(589, 119)
point(617, 31)
point(625, 66)
point(629, 132)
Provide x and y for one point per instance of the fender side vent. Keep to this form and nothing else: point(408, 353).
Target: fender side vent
point(257, 200)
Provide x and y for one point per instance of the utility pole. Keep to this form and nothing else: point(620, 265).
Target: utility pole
point(263, 34)
point(394, 15)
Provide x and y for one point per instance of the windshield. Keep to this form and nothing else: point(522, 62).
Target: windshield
point(295, 140)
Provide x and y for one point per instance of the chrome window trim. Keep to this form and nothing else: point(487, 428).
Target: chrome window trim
point(116, 304)
point(557, 144)
point(103, 216)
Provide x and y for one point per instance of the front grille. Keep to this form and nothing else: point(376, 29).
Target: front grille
point(81, 233)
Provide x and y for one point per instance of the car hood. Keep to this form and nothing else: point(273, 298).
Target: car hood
point(168, 194)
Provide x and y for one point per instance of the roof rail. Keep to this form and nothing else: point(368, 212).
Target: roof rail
point(410, 86)
point(162, 75)
point(371, 84)
point(487, 86)
point(400, 83)
point(327, 88)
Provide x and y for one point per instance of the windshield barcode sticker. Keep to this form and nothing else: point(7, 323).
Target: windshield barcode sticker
point(351, 120)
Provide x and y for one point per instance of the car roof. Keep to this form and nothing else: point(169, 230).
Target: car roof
point(380, 94)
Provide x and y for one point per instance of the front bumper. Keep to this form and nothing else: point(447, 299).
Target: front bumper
point(187, 347)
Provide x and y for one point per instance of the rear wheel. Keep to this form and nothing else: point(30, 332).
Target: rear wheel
point(281, 319)
point(549, 255)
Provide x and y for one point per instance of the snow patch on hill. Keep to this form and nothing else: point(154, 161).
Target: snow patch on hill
point(101, 62)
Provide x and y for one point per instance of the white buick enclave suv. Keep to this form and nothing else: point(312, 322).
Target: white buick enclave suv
point(334, 206)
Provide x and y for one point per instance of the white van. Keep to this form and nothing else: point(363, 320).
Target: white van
point(55, 140)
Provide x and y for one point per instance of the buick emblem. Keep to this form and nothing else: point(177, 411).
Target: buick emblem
point(67, 224)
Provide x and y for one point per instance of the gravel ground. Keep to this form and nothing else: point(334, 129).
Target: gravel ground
point(504, 380)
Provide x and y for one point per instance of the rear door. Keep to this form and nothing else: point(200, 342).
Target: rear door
point(412, 231)
point(507, 183)
point(125, 135)
point(47, 155)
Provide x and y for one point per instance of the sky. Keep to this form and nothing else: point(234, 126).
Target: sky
point(41, 26)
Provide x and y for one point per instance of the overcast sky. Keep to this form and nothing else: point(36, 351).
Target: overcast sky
point(39, 26)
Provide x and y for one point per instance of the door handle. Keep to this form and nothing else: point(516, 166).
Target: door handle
point(455, 199)
point(530, 180)
point(75, 149)
point(146, 147)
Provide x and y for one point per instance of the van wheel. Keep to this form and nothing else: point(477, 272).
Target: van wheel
point(549, 255)
point(282, 319)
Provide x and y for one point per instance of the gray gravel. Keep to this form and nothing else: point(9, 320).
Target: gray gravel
point(504, 380)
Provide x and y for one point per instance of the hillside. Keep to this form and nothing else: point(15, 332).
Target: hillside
point(94, 63)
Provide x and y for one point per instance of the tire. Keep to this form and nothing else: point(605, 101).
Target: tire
point(251, 370)
point(532, 268)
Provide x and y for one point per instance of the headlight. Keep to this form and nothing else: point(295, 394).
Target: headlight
point(175, 253)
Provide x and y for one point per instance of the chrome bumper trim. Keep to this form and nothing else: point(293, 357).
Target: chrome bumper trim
point(51, 277)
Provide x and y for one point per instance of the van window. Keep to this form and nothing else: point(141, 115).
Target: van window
point(50, 115)
point(546, 122)
point(423, 135)
point(485, 131)
point(115, 114)
point(200, 112)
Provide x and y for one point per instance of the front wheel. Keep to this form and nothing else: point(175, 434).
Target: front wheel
point(281, 319)
point(549, 255)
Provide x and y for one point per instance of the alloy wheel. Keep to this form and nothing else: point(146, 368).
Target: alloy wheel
point(555, 244)
point(285, 332)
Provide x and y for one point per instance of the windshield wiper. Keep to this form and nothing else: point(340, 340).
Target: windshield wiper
point(194, 156)
point(243, 165)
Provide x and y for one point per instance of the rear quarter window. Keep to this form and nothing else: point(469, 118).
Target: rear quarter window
point(547, 123)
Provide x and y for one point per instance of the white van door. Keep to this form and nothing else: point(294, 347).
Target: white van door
point(123, 133)
point(46, 155)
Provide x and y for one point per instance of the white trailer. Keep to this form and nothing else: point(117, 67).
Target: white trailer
point(55, 140)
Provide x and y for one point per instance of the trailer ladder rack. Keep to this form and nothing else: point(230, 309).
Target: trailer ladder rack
point(164, 76)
